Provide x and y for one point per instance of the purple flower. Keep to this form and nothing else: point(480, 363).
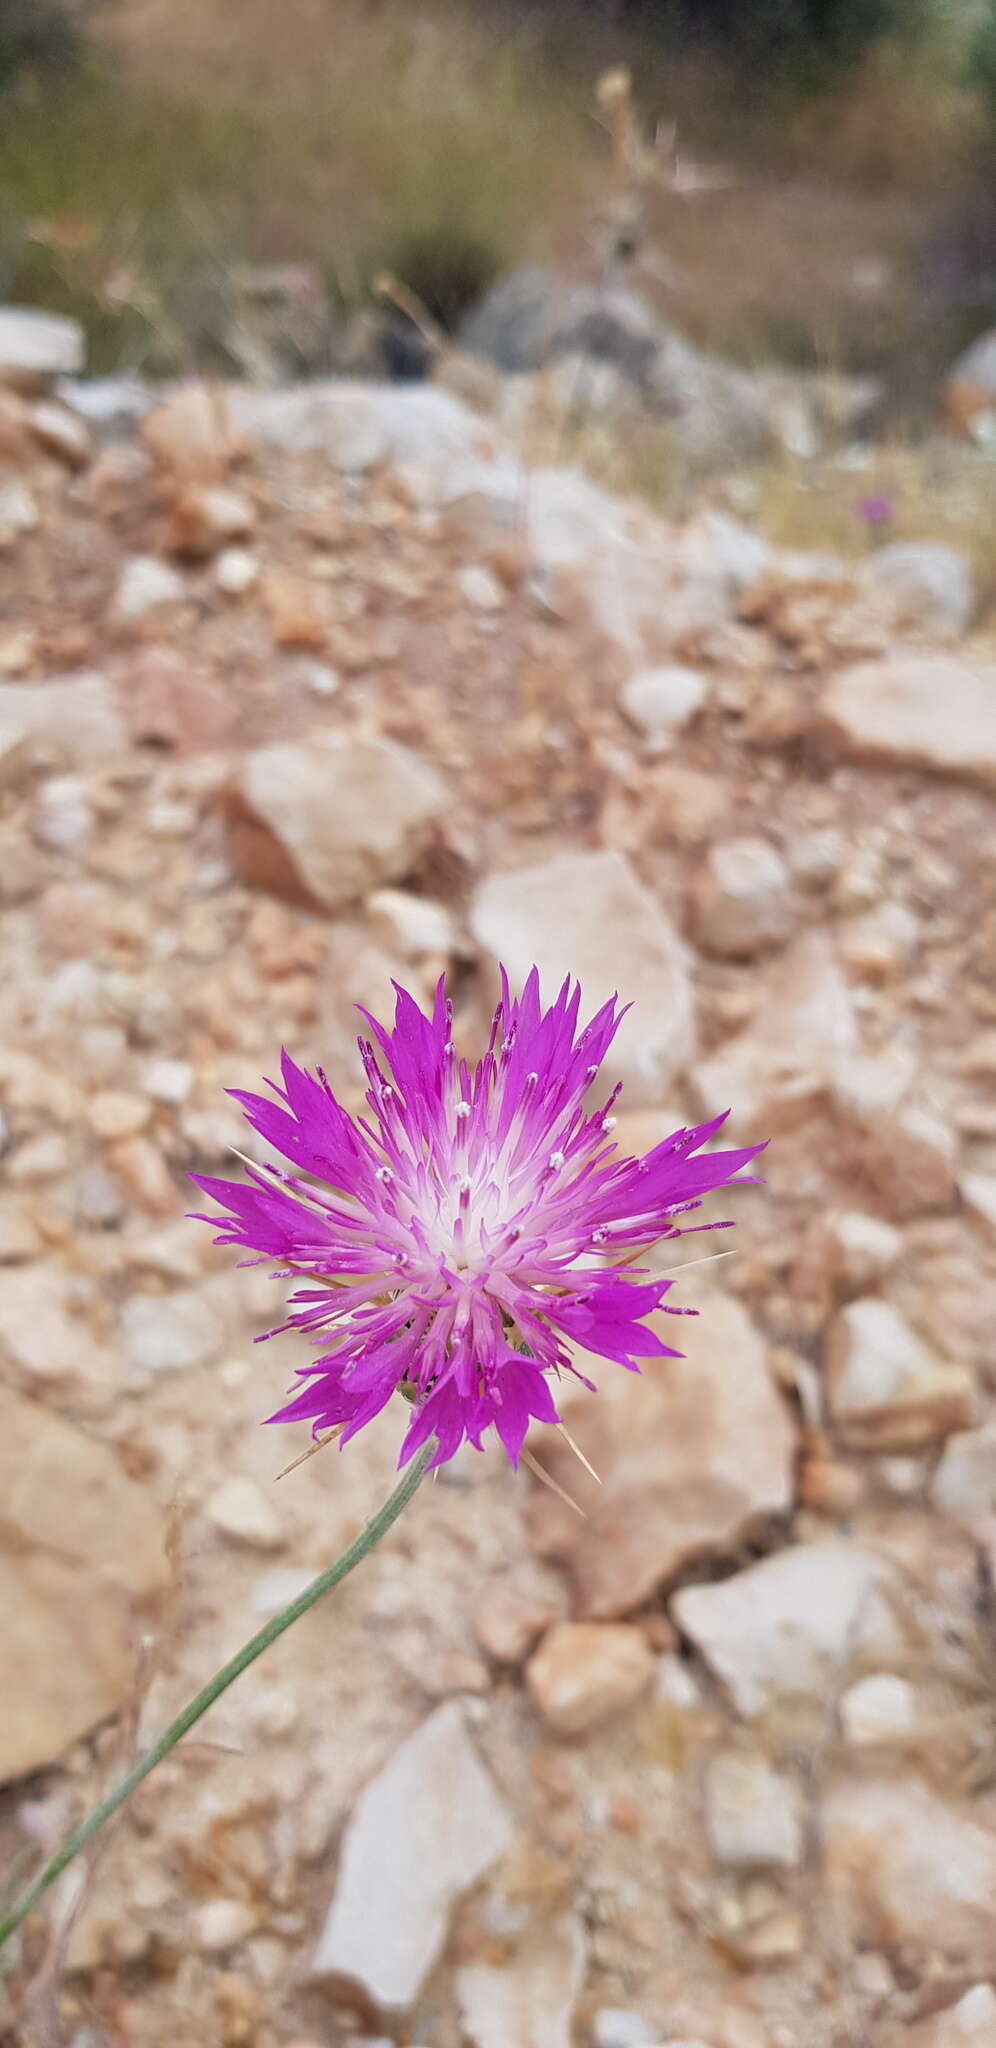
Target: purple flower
point(875, 511)
point(459, 1241)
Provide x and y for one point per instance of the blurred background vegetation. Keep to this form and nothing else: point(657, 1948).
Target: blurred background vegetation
point(155, 153)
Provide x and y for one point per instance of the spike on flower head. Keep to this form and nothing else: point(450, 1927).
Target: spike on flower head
point(462, 1238)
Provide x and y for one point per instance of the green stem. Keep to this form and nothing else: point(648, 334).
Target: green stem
point(365, 1542)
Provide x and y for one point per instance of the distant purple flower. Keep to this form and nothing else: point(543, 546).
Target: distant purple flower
point(875, 511)
point(475, 1227)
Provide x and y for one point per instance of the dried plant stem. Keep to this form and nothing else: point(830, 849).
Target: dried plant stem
point(191, 1714)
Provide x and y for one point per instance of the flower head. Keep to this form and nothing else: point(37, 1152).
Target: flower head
point(461, 1239)
point(876, 510)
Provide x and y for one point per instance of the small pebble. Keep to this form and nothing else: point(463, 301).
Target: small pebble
point(240, 1509)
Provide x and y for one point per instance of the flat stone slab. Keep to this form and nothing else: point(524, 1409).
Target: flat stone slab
point(935, 711)
point(423, 1831)
point(35, 347)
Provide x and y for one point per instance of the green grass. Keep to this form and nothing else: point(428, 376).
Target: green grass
point(439, 143)
point(419, 147)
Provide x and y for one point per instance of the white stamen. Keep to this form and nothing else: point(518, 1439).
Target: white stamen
point(557, 1160)
point(609, 1123)
point(384, 1173)
point(462, 1109)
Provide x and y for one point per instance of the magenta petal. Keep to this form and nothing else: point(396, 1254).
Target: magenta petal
point(470, 1233)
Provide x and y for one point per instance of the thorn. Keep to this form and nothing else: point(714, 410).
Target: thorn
point(530, 1461)
point(256, 1165)
point(688, 1263)
point(318, 1445)
point(578, 1453)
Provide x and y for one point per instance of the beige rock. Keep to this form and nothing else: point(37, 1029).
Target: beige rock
point(174, 1253)
point(331, 817)
point(221, 1924)
point(528, 1998)
point(424, 1830)
point(43, 1335)
point(934, 711)
point(829, 1487)
point(661, 701)
point(277, 1588)
point(814, 857)
point(16, 755)
point(61, 432)
point(969, 389)
point(615, 2027)
point(777, 1936)
point(240, 1509)
point(173, 702)
point(413, 927)
point(352, 427)
point(978, 1191)
point(862, 1248)
point(294, 608)
point(887, 1391)
point(354, 971)
point(509, 1620)
point(62, 817)
point(910, 1160)
point(74, 720)
point(36, 348)
point(713, 2018)
point(876, 947)
point(19, 1234)
point(969, 2024)
point(686, 805)
point(692, 1454)
point(146, 585)
point(788, 1628)
point(586, 1672)
point(66, 1600)
point(113, 1113)
point(910, 1870)
point(878, 1710)
point(172, 1332)
point(140, 1164)
point(15, 440)
point(236, 571)
point(204, 517)
point(741, 903)
point(774, 1073)
point(480, 588)
point(19, 511)
point(168, 1081)
point(753, 1815)
point(585, 914)
point(964, 1484)
point(45, 1157)
point(931, 582)
point(869, 1088)
point(191, 436)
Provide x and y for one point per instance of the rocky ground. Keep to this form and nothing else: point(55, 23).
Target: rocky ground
point(300, 691)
